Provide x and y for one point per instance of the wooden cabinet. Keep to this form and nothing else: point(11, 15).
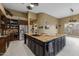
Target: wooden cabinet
point(2, 45)
point(7, 41)
point(13, 36)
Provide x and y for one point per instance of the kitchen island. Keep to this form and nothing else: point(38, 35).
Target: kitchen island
point(45, 45)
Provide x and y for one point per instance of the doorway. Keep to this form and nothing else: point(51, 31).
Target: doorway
point(72, 29)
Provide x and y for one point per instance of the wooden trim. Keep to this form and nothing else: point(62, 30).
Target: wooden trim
point(28, 23)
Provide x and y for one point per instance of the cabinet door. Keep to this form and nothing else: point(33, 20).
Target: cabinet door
point(60, 43)
point(39, 50)
point(8, 40)
point(55, 45)
point(63, 41)
point(2, 45)
point(50, 49)
point(11, 37)
point(29, 43)
point(33, 46)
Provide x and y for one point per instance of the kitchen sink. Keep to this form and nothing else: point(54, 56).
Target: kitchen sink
point(35, 35)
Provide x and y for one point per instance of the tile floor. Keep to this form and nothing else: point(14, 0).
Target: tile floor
point(18, 48)
point(71, 48)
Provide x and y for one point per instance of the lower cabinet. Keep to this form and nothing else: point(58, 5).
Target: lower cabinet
point(35, 47)
point(55, 46)
point(39, 50)
point(7, 41)
point(2, 45)
point(14, 36)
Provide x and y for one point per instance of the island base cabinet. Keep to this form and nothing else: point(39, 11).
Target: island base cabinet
point(35, 48)
point(64, 41)
point(50, 48)
point(39, 50)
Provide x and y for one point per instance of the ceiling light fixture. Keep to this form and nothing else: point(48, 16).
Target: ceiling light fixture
point(35, 4)
point(31, 6)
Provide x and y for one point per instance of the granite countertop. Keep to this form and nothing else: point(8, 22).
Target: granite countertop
point(3, 36)
point(11, 31)
point(45, 37)
point(8, 32)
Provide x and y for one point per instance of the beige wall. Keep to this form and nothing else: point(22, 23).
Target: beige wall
point(60, 26)
point(32, 15)
point(45, 17)
point(65, 20)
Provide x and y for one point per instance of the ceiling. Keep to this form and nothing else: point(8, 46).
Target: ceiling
point(58, 10)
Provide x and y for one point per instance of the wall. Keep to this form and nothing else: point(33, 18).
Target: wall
point(32, 15)
point(60, 26)
point(45, 19)
point(65, 20)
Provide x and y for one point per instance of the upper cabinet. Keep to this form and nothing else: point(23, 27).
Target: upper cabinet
point(13, 14)
point(16, 13)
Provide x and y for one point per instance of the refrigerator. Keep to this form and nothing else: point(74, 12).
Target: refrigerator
point(22, 31)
